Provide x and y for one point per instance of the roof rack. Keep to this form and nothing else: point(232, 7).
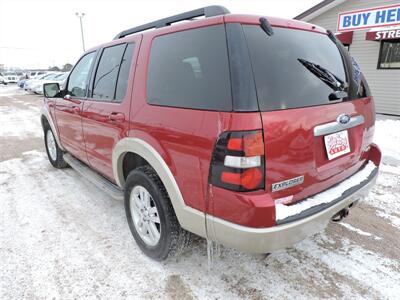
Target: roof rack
point(208, 11)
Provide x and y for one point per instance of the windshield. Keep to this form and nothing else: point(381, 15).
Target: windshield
point(61, 76)
point(49, 76)
point(294, 68)
point(58, 76)
point(40, 77)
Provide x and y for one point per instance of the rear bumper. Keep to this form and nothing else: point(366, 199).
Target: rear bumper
point(265, 240)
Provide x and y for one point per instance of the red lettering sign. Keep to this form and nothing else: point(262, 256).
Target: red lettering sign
point(383, 35)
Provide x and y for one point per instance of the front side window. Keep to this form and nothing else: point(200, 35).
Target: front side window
point(294, 68)
point(190, 69)
point(79, 78)
point(389, 55)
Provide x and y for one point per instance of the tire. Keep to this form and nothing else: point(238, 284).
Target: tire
point(172, 238)
point(54, 153)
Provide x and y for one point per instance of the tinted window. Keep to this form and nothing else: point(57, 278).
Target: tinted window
point(107, 72)
point(123, 76)
point(189, 69)
point(78, 80)
point(279, 64)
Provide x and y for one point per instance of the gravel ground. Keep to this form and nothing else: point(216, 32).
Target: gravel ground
point(61, 237)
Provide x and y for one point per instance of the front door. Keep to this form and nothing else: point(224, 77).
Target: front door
point(68, 110)
point(105, 114)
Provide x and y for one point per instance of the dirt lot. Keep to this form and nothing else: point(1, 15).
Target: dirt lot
point(60, 237)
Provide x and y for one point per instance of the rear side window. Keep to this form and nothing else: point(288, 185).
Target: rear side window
point(112, 73)
point(123, 76)
point(107, 73)
point(189, 69)
point(282, 80)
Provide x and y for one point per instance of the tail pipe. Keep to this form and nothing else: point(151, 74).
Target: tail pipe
point(341, 215)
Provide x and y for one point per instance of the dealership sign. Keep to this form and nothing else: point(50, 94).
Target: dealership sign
point(369, 18)
point(387, 34)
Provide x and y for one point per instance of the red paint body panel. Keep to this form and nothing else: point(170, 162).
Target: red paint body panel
point(105, 123)
point(292, 150)
point(69, 125)
point(186, 138)
point(101, 133)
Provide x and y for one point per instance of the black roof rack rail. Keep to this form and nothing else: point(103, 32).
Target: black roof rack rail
point(208, 11)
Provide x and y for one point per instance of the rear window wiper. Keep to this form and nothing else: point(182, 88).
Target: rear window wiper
point(334, 82)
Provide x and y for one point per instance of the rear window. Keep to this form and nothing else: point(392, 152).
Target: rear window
point(282, 81)
point(190, 69)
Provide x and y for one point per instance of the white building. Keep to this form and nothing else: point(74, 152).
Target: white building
point(376, 47)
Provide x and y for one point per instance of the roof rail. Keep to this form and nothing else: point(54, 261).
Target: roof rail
point(208, 11)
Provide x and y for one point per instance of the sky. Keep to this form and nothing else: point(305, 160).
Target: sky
point(43, 33)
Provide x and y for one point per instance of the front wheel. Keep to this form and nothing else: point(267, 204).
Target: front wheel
point(151, 217)
point(54, 153)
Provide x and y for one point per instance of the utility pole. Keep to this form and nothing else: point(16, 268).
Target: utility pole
point(80, 16)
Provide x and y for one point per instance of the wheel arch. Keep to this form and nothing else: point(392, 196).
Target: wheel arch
point(189, 218)
point(45, 117)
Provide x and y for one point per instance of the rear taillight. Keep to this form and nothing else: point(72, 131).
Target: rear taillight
point(238, 161)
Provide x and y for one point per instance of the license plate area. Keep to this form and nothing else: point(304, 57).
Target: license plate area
point(337, 144)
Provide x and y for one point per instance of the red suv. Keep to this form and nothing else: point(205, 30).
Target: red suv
point(249, 131)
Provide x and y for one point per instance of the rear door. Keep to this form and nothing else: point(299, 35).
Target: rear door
point(105, 117)
point(312, 140)
point(68, 110)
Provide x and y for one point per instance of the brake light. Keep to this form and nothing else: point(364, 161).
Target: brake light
point(251, 144)
point(238, 161)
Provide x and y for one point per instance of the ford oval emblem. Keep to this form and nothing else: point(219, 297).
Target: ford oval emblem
point(343, 119)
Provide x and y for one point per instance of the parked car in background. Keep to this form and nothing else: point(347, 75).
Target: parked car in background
point(33, 77)
point(20, 75)
point(1, 79)
point(10, 77)
point(57, 78)
point(33, 74)
point(33, 82)
point(244, 134)
point(21, 83)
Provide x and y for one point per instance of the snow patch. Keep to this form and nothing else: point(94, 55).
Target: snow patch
point(395, 221)
point(20, 123)
point(389, 169)
point(387, 137)
point(359, 231)
point(358, 265)
point(10, 90)
point(285, 211)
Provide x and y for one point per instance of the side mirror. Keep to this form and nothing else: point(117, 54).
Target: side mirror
point(51, 90)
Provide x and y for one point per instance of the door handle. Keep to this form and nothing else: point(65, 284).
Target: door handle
point(117, 117)
point(76, 109)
